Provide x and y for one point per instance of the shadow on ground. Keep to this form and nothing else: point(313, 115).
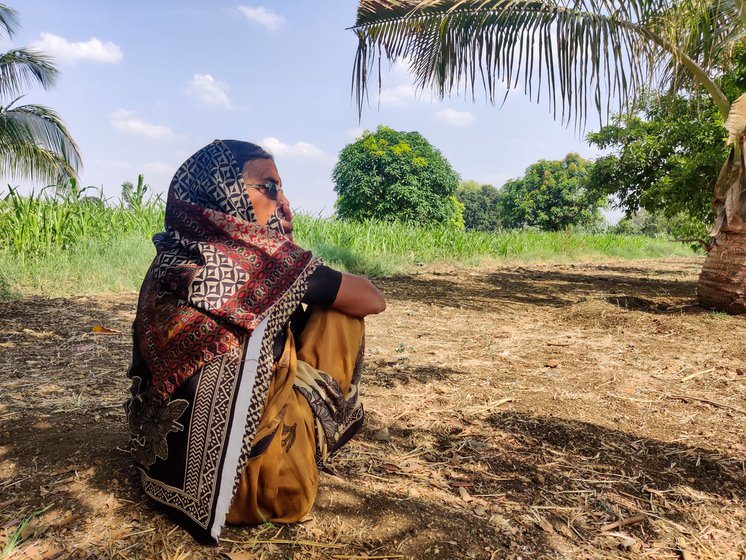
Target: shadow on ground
point(554, 288)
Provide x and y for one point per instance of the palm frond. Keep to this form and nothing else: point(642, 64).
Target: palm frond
point(23, 68)
point(34, 142)
point(8, 21)
point(573, 51)
point(704, 31)
point(33, 162)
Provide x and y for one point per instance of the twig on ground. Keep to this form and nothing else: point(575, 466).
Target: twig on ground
point(691, 375)
point(14, 482)
point(150, 530)
point(623, 522)
point(682, 550)
point(366, 557)
point(706, 401)
point(493, 404)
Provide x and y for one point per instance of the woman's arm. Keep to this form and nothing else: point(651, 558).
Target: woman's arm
point(357, 296)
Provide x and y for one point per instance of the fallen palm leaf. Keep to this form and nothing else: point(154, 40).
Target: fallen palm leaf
point(100, 329)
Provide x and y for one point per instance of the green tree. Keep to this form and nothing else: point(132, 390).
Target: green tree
point(391, 175)
point(665, 159)
point(578, 52)
point(666, 156)
point(552, 195)
point(34, 142)
point(480, 206)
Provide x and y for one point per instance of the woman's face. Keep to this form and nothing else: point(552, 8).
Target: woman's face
point(260, 172)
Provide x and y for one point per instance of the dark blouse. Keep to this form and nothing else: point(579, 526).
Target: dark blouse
point(323, 286)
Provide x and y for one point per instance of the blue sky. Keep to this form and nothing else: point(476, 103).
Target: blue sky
point(145, 84)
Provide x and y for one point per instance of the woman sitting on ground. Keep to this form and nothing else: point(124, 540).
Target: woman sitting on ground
point(240, 393)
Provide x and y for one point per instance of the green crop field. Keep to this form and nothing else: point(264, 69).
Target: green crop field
point(76, 244)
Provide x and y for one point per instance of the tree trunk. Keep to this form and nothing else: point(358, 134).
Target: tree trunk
point(722, 282)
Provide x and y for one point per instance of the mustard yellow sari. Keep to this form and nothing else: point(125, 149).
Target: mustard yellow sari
point(312, 409)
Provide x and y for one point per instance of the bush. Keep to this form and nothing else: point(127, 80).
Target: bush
point(390, 175)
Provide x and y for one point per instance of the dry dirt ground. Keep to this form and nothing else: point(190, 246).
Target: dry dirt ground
point(514, 411)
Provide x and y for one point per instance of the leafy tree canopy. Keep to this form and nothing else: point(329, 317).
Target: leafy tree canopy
point(667, 156)
point(480, 205)
point(552, 195)
point(391, 175)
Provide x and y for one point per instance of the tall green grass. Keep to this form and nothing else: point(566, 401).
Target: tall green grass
point(378, 248)
point(35, 226)
point(75, 244)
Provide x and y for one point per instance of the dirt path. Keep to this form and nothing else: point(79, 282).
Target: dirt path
point(530, 411)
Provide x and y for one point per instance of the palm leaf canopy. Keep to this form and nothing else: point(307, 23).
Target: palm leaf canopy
point(574, 52)
point(8, 21)
point(35, 143)
point(21, 69)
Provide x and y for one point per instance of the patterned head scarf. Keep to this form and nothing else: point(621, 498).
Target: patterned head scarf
point(217, 273)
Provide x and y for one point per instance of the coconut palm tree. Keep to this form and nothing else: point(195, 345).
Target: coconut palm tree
point(575, 53)
point(34, 142)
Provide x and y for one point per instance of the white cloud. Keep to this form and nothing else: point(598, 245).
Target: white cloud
point(297, 150)
point(456, 118)
point(263, 16)
point(128, 122)
point(209, 91)
point(397, 96)
point(402, 91)
point(67, 52)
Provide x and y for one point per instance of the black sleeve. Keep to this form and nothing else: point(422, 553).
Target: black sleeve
point(323, 285)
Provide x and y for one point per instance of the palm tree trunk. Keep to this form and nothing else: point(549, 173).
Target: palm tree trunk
point(722, 282)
